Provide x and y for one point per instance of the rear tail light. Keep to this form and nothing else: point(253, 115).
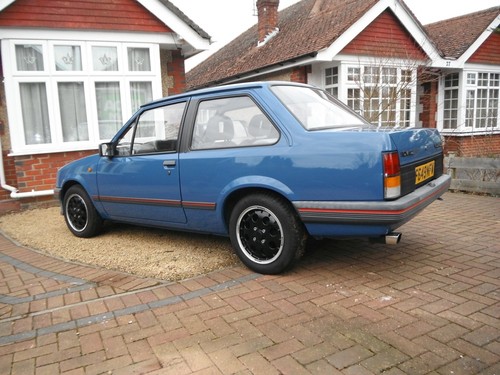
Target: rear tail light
point(392, 175)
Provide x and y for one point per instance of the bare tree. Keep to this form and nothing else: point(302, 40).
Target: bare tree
point(386, 82)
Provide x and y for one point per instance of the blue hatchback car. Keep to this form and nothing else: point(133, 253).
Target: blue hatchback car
point(268, 164)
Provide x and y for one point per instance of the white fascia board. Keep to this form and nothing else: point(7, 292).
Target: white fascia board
point(475, 67)
point(404, 17)
point(5, 3)
point(176, 24)
point(358, 59)
point(479, 41)
point(93, 36)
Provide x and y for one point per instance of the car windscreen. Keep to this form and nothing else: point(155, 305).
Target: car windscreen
point(315, 109)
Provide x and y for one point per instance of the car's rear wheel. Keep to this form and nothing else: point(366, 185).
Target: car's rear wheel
point(266, 233)
point(81, 217)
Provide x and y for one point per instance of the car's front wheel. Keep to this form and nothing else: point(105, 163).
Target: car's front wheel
point(81, 217)
point(266, 233)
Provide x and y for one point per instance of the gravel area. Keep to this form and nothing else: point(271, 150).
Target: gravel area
point(154, 253)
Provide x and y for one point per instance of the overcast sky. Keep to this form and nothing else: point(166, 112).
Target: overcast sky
point(224, 20)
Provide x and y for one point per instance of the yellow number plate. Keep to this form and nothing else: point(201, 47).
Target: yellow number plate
point(424, 172)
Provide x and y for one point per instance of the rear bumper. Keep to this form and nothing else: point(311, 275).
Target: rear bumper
point(384, 213)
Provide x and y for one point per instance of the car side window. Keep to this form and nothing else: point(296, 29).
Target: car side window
point(231, 122)
point(155, 131)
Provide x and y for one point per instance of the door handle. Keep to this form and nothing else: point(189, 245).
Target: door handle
point(169, 163)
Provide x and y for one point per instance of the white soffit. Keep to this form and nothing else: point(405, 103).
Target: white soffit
point(176, 24)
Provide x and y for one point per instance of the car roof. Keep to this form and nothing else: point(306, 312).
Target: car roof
point(224, 88)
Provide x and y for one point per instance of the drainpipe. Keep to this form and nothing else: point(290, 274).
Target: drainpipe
point(14, 192)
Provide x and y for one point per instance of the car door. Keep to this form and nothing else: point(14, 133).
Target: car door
point(140, 183)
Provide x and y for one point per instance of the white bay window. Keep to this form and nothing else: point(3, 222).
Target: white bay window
point(470, 102)
point(74, 95)
point(385, 95)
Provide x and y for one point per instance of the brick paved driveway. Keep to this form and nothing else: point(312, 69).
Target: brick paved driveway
point(429, 305)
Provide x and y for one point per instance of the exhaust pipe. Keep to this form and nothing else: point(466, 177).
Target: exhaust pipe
point(392, 238)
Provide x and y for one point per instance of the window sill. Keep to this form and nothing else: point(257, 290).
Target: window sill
point(468, 133)
point(54, 150)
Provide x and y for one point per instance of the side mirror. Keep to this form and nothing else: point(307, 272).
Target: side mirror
point(106, 149)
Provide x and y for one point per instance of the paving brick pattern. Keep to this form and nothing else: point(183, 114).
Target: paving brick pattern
point(429, 305)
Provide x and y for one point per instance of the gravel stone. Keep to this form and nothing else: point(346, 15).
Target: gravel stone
point(147, 252)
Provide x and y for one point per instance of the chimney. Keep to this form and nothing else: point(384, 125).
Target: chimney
point(267, 11)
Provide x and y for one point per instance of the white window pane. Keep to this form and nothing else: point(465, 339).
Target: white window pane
point(371, 74)
point(138, 60)
point(493, 108)
point(353, 74)
point(29, 57)
point(35, 113)
point(470, 106)
point(109, 108)
point(354, 99)
point(494, 79)
point(471, 78)
point(389, 75)
point(73, 111)
point(105, 58)
point(68, 58)
point(140, 93)
point(406, 76)
point(482, 79)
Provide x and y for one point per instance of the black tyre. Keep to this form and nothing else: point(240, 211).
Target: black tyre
point(80, 214)
point(266, 233)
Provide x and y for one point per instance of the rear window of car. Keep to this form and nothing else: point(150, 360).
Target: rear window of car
point(231, 122)
point(315, 109)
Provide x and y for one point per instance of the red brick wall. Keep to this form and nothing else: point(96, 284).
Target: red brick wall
point(299, 74)
point(489, 51)
point(478, 145)
point(176, 74)
point(39, 172)
point(428, 101)
point(125, 15)
point(387, 37)
point(36, 172)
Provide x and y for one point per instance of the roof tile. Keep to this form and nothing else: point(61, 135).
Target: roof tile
point(303, 29)
point(455, 35)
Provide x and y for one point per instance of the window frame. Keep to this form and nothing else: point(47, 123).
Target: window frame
point(195, 145)
point(469, 86)
point(130, 133)
point(52, 77)
point(452, 89)
point(352, 74)
point(333, 86)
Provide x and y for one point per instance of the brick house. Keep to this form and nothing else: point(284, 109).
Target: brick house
point(376, 57)
point(74, 72)
point(469, 84)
